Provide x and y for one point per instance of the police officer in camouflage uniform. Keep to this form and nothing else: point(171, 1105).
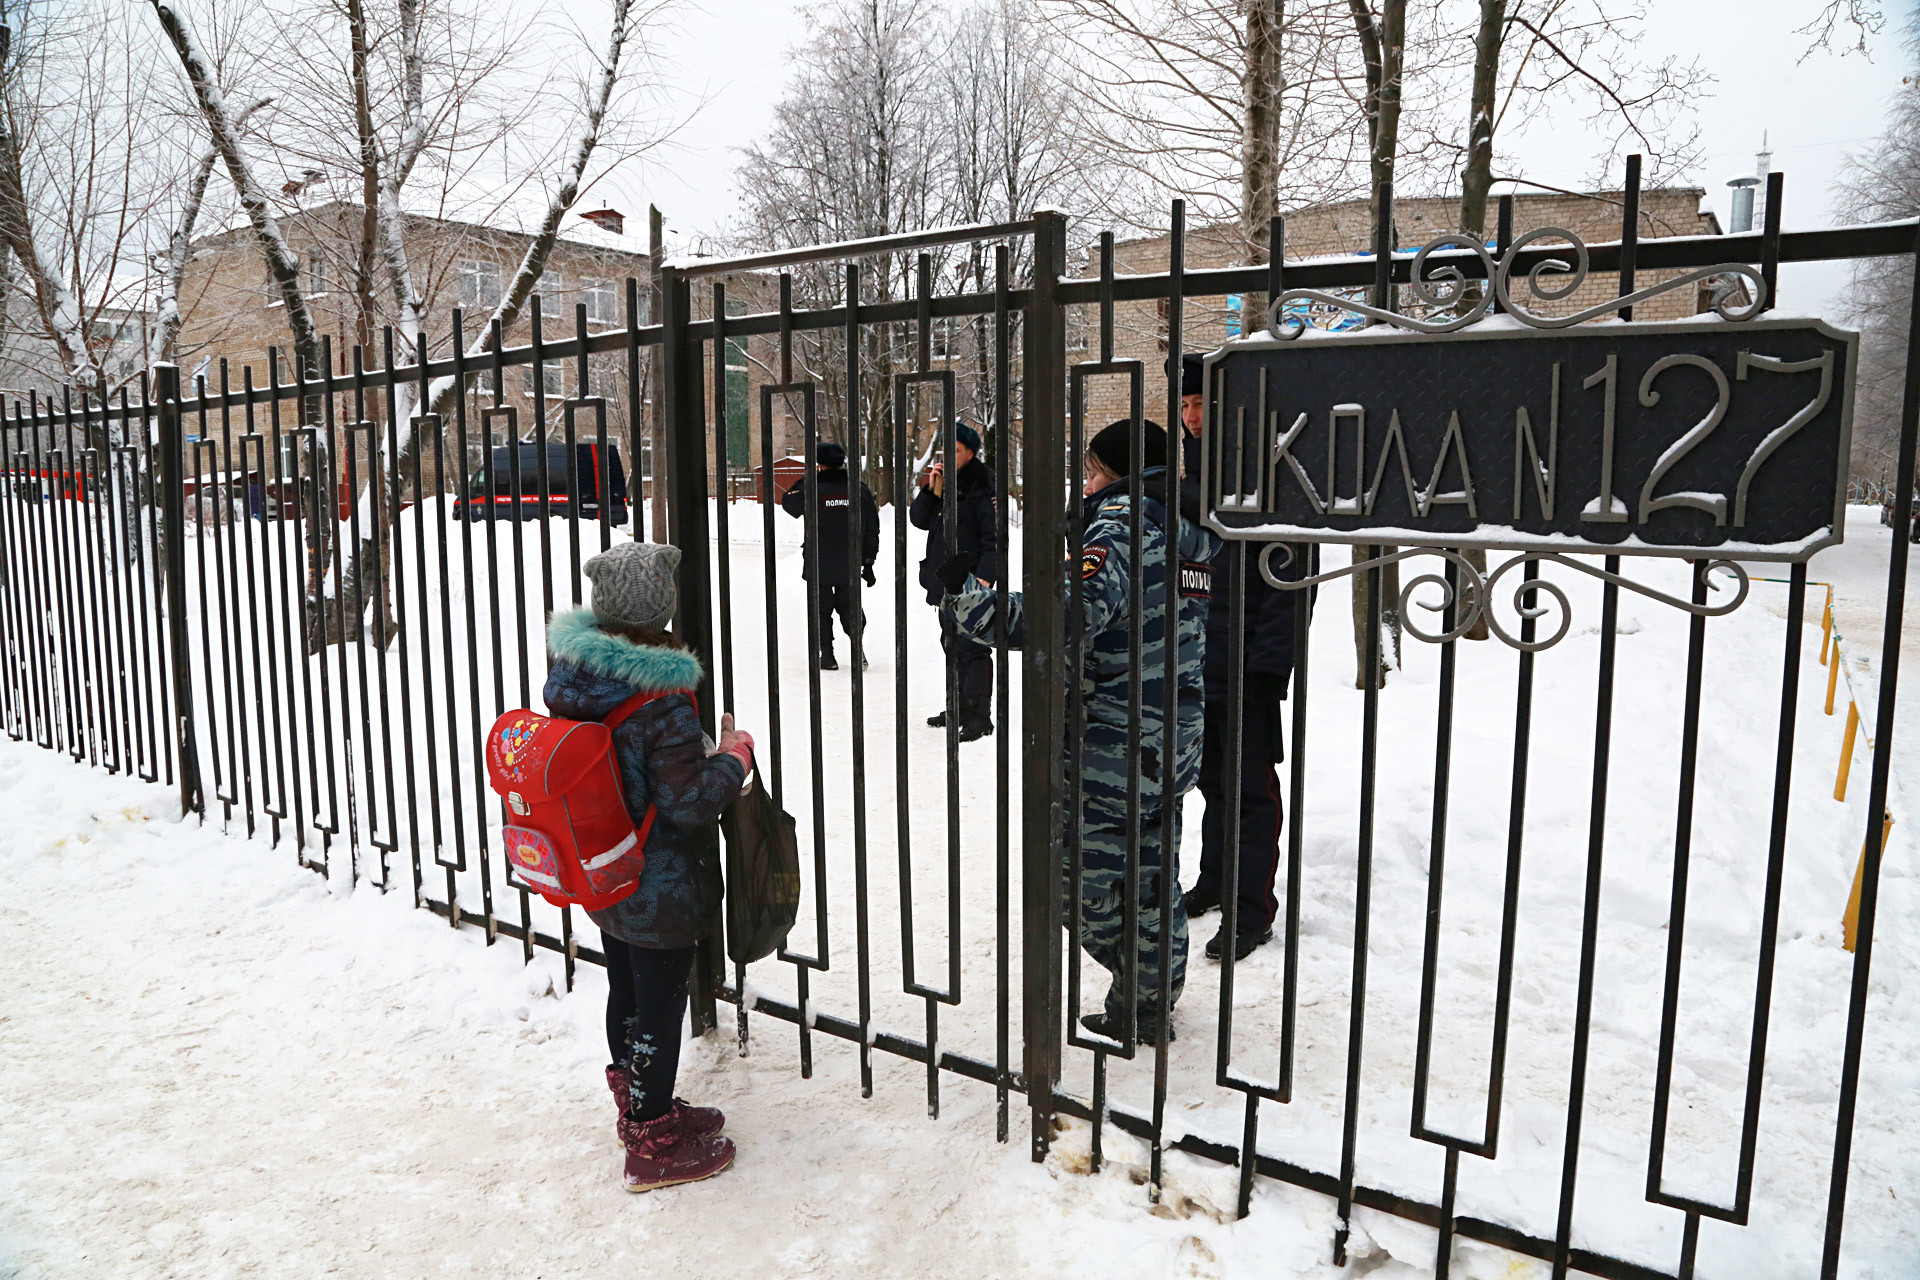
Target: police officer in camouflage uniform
point(1105, 573)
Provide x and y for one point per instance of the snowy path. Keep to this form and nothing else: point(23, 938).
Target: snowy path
point(214, 1068)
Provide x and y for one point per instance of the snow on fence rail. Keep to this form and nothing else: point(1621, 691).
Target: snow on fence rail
point(1486, 947)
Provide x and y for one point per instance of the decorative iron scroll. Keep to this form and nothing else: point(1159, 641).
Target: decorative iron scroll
point(1446, 285)
point(1478, 590)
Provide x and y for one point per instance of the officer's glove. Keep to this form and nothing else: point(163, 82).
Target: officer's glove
point(953, 574)
point(866, 573)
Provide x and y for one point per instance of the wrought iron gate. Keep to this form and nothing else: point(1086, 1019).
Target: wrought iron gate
point(175, 558)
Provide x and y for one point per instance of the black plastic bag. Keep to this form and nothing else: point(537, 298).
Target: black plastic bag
point(763, 874)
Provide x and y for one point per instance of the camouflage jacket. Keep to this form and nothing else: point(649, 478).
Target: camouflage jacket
point(1104, 574)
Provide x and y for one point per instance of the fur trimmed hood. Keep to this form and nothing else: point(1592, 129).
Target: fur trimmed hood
point(573, 636)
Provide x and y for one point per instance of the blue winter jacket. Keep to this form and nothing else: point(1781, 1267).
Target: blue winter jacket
point(1104, 581)
point(663, 762)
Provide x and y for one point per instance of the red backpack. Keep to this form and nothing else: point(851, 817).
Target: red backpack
point(570, 838)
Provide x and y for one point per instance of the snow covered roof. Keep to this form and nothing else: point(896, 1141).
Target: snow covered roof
point(576, 232)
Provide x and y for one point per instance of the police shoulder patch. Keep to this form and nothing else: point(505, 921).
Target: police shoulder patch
point(1091, 560)
point(1196, 579)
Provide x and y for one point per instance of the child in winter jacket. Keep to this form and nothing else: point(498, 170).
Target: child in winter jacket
point(599, 658)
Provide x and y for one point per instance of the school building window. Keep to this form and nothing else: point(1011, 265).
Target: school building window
point(479, 283)
point(603, 301)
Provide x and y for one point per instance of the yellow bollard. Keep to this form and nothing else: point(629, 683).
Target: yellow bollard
point(1850, 922)
point(1826, 632)
point(1833, 675)
point(1846, 751)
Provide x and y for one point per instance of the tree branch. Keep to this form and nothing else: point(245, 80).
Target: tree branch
point(283, 265)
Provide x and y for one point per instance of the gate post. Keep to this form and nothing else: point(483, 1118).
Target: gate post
point(684, 409)
point(173, 533)
point(1043, 679)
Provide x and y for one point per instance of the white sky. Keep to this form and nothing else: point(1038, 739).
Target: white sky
point(732, 53)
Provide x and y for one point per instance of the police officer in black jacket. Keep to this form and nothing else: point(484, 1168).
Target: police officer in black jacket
point(1246, 791)
point(977, 538)
point(835, 548)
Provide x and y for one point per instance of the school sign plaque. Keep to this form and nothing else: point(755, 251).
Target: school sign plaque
point(1704, 438)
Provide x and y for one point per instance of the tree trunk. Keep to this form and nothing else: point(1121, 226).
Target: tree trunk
point(58, 312)
point(1388, 655)
point(387, 470)
point(1476, 179)
point(369, 175)
point(1260, 146)
point(1382, 48)
point(179, 253)
point(283, 266)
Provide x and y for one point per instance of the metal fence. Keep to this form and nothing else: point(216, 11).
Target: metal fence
point(323, 679)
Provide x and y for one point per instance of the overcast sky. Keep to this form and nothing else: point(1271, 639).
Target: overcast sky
point(732, 53)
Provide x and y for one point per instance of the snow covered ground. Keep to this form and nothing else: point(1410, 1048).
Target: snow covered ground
point(210, 1050)
point(213, 1066)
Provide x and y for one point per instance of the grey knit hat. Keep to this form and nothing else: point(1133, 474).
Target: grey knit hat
point(634, 584)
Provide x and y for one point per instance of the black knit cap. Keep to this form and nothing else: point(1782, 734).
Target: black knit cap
point(1114, 447)
point(1192, 370)
point(831, 455)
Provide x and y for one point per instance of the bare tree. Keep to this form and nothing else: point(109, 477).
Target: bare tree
point(82, 166)
point(1476, 176)
point(850, 155)
point(1556, 60)
point(1882, 184)
point(1010, 144)
point(382, 92)
point(1239, 106)
point(378, 501)
point(173, 261)
point(1553, 50)
point(383, 169)
point(367, 153)
point(1383, 46)
point(624, 24)
point(1863, 17)
point(59, 313)
point(283, 265)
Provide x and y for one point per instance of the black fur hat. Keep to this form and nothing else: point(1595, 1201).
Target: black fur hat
point(1114, 447)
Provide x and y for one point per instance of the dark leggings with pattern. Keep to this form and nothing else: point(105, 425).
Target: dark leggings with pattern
point(646, 999)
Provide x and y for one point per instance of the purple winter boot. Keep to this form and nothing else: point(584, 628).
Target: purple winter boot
point(692, 1121)
point(659, 1155)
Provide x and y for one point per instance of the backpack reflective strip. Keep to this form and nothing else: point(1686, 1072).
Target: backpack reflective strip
point(614, 853)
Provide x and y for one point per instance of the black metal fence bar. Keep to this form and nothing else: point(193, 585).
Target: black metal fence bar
point(856, 461)
point(1873, 848)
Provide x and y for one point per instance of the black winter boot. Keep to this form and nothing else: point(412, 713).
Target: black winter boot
point(976, 722)
point(1246, 940)
point(1146, 1026)
point(1201, 899)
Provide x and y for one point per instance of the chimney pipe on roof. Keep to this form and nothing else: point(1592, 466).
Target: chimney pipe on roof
point(1742, 216)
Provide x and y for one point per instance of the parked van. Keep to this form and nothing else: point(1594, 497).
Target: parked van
point(478, 503)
